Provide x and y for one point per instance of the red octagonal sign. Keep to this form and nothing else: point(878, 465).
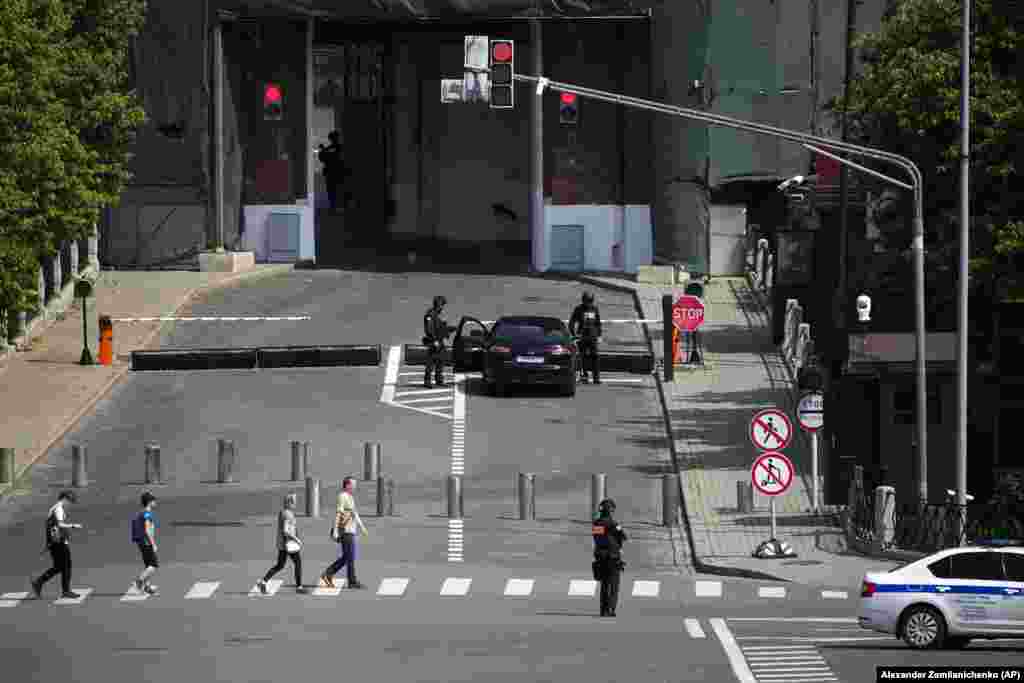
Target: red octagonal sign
point(688, 313)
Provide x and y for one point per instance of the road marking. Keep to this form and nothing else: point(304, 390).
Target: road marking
point(804, 639)
point(272, 587)
point(456, 542)
point(834, 595)
point(453, 587)
point(776, 648)
point(693, 628)
point(424, 392)
point(771, 592)
point(582, 588)
point(83, 593)
point(518, 588)
point(709, 589)
point(430, 399)
point(732, 651)
point(802, 620)
point(202, 590)
point(387, 393)
point(209, 319)
point(646, 589)
point(766, 659)
point(622, 380)
point(324, 592)
point(12, 599)
point(392, 588)
point(134, 595)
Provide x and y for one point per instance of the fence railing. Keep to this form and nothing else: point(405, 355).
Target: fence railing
point(761, 261)
point(56, 279)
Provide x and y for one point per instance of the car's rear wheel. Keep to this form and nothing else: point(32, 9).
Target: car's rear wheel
point(923, 628)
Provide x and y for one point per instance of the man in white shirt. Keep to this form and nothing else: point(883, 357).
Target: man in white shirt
point(58, 538)
point(346, 520)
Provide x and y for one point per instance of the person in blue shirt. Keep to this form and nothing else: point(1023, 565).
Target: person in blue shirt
point(144, 536)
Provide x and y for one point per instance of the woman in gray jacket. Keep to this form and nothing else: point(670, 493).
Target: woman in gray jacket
point(288, 546)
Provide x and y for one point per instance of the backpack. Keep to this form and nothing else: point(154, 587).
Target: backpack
point(54, 534)
point(138, 528)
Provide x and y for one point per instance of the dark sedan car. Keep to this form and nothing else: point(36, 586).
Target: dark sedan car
point(517, 350)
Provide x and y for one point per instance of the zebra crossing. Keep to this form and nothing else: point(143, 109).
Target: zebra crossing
point(403, 388)
point(802, 663)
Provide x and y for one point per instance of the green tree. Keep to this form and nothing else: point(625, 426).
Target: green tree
point(67, 120)
point(907, 99)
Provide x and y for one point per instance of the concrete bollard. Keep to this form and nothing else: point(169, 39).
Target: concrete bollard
point(225, 461)
point(744, 497)
point(527, 496)
point(78, 473)
point(6, 465)
point(454, 496)
point(307, 456)
point(598, 490)
point(154, 473)
point(296, 461)
point(371, 461)
point(312, 497)
point(669, 498)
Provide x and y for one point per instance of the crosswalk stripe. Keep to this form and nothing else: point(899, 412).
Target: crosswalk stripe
point(834, 595)
point(202, 590)
point(134, 595)
point(775, 648)
point(392, 588)
point(646, 589)
point(421, 392)
point(708, 589)
point(428, 399)
point(771, 591)
point(453, 587)
point(83, 593)
point(693, 628)
point(12, 599)
point(582, 588)
point(518, 588)
point(272, 587)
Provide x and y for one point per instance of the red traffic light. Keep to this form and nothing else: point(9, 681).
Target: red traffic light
point(568, 98)
point(501, 51)
point(272, 94)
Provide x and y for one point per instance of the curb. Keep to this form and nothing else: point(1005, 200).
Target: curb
point(699, 565)
point(123, 370)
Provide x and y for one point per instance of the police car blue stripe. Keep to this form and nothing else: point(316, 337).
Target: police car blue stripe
point(940, 588)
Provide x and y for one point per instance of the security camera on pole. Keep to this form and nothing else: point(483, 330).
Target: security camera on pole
point(772, 472)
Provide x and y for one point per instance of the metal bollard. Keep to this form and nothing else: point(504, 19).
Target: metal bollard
point(307, 455)
point(391, 497)
point(296, 461)
point(312, 497)
point(225, 461)
point(527, 496)
point(598, 490)
point(371, 461)
point(380, 496)
point(6, 465)
point(454, 496)
point(153, 471)
point(78, 474)
point(744, 497)
point(669, 498)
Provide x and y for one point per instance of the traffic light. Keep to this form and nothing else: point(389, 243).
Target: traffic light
point(502, 62)
point(273, 104)
point(569, 109)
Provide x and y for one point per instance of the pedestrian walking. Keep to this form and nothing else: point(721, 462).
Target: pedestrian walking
point(289, 545)
point(58, 542)
point(144, 537)
point(346, 521)
point(608, 565)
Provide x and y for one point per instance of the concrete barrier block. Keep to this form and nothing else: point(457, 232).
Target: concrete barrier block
point(657, 275)
point(226, 261)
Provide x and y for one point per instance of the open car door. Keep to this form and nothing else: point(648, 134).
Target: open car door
point(471, 337)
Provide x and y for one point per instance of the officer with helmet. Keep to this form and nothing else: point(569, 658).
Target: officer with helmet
point(585, 323)
point(608, 565)
point(435, 332)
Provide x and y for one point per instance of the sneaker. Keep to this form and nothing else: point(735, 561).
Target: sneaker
point(70, 595)
point(139, 586)
point(151, 590)
point(262, 585)
point(356, 585)
point(37, 589)
point(301, 589)
point(327, 581)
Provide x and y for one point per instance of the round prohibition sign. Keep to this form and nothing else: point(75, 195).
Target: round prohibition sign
point(772, 473)
point(771, 429)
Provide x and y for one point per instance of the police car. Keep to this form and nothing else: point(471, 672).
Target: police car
point(950, 597)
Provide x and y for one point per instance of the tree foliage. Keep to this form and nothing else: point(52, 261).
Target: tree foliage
point(907, 99)
point(67, 119)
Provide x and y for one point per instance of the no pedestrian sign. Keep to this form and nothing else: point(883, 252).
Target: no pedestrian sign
point(772, 473)
point(771, 430)
point(811, 411)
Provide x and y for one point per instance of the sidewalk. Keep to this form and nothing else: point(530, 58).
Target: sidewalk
point(710, 410)
point(44, 391)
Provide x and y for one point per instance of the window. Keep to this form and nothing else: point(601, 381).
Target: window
point(1014, 565)
point(904, 406)
point(943, 568)
point(980, 566)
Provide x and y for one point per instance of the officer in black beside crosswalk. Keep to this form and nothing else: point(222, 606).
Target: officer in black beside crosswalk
point(435, 333)
point(585, 323)
point(608, 565)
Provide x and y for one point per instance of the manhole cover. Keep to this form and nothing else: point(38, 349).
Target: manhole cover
point(804, 563)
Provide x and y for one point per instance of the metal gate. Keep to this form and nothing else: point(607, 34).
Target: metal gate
point(567, 252)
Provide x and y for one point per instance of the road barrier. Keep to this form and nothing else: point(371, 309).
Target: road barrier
point(416, 354)
point(455, 502)
point(6, 465)
point(598, 490)
point(669, 499)
point(527, 495)
point(266, 358)
point(153, 472)
point(312, 497)
point(371, 461)
point(78, 474)
point(226, 461)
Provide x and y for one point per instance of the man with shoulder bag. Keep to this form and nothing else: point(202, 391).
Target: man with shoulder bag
point(58, 542)
point(346, 522)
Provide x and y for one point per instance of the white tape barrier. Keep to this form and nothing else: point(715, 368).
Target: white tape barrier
point(209, 319)
point(617, 322)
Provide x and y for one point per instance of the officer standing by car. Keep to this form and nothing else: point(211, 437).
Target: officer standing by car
point(608, 565)
point(585, 323)
point(435, 333)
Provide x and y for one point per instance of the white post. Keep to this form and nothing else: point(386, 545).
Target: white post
point(815, 486)
point(771, 513)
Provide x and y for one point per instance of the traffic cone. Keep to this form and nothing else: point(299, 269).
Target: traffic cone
point(106, 341)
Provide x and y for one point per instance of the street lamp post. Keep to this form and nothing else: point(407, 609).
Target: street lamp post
point(917, 243)
point(961, 349)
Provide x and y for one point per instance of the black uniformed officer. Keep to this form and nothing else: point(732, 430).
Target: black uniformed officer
point(586, 324)
point(435, 332)
point(608, 564)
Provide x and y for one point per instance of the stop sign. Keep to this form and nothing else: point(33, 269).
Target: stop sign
point(688, 313)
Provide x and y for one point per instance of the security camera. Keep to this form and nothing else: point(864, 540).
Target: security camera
point(795, 180)
point(864, 308)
